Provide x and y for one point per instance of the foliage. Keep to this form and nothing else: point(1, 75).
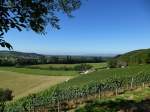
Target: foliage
point(112, 63)
point(5, 95)
point(83, 67)
point(32, 14)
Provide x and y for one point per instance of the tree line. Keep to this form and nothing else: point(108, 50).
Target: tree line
point(21, 61)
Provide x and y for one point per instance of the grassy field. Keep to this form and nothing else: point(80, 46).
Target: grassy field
point(46, 66)
point(47, 72)
point(39, 71)
point(24, 84)
point(53, 65)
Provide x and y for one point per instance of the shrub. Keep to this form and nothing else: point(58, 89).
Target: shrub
point(82, 67)
point(112, 64)
point(5, 95)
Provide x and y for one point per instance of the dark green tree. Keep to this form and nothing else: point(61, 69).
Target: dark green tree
point(83, 67)
point(32, 15)
point(5, 95)
point(112, 63)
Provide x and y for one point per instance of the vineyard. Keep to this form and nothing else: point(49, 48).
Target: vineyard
point(74, 56)
point(62, 98)
point(106, 73)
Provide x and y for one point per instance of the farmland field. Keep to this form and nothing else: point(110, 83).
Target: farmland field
point(39, 71)
point(24, 84)
point(74, 56)
point(82, 86)
point(23, 81)
point(46, 66)
point(37, 79)
point(47, 72)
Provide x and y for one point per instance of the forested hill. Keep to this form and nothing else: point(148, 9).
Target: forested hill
point(141, 56)
point(19, 54)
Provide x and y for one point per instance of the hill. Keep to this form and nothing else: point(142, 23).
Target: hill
point(16, 54)
point(14, 58)
point(141, 56)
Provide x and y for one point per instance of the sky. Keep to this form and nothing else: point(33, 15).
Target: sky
point(98, 27)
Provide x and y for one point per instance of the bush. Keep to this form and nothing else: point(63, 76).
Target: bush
point(112, 64)
point(60, 68)
point(5, 95)
point(117, 64)
point(82, 67)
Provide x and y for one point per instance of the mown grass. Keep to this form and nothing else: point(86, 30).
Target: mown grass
point(23, 84)
point(98, 65)
point(47, 66)
point(39, 71)
point(53, 65)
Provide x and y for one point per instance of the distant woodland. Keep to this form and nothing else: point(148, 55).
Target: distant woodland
point(12, 58)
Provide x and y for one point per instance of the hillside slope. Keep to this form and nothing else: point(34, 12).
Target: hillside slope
point(141, 56)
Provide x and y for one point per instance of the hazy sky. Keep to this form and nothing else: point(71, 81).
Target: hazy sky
point(99, 26)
